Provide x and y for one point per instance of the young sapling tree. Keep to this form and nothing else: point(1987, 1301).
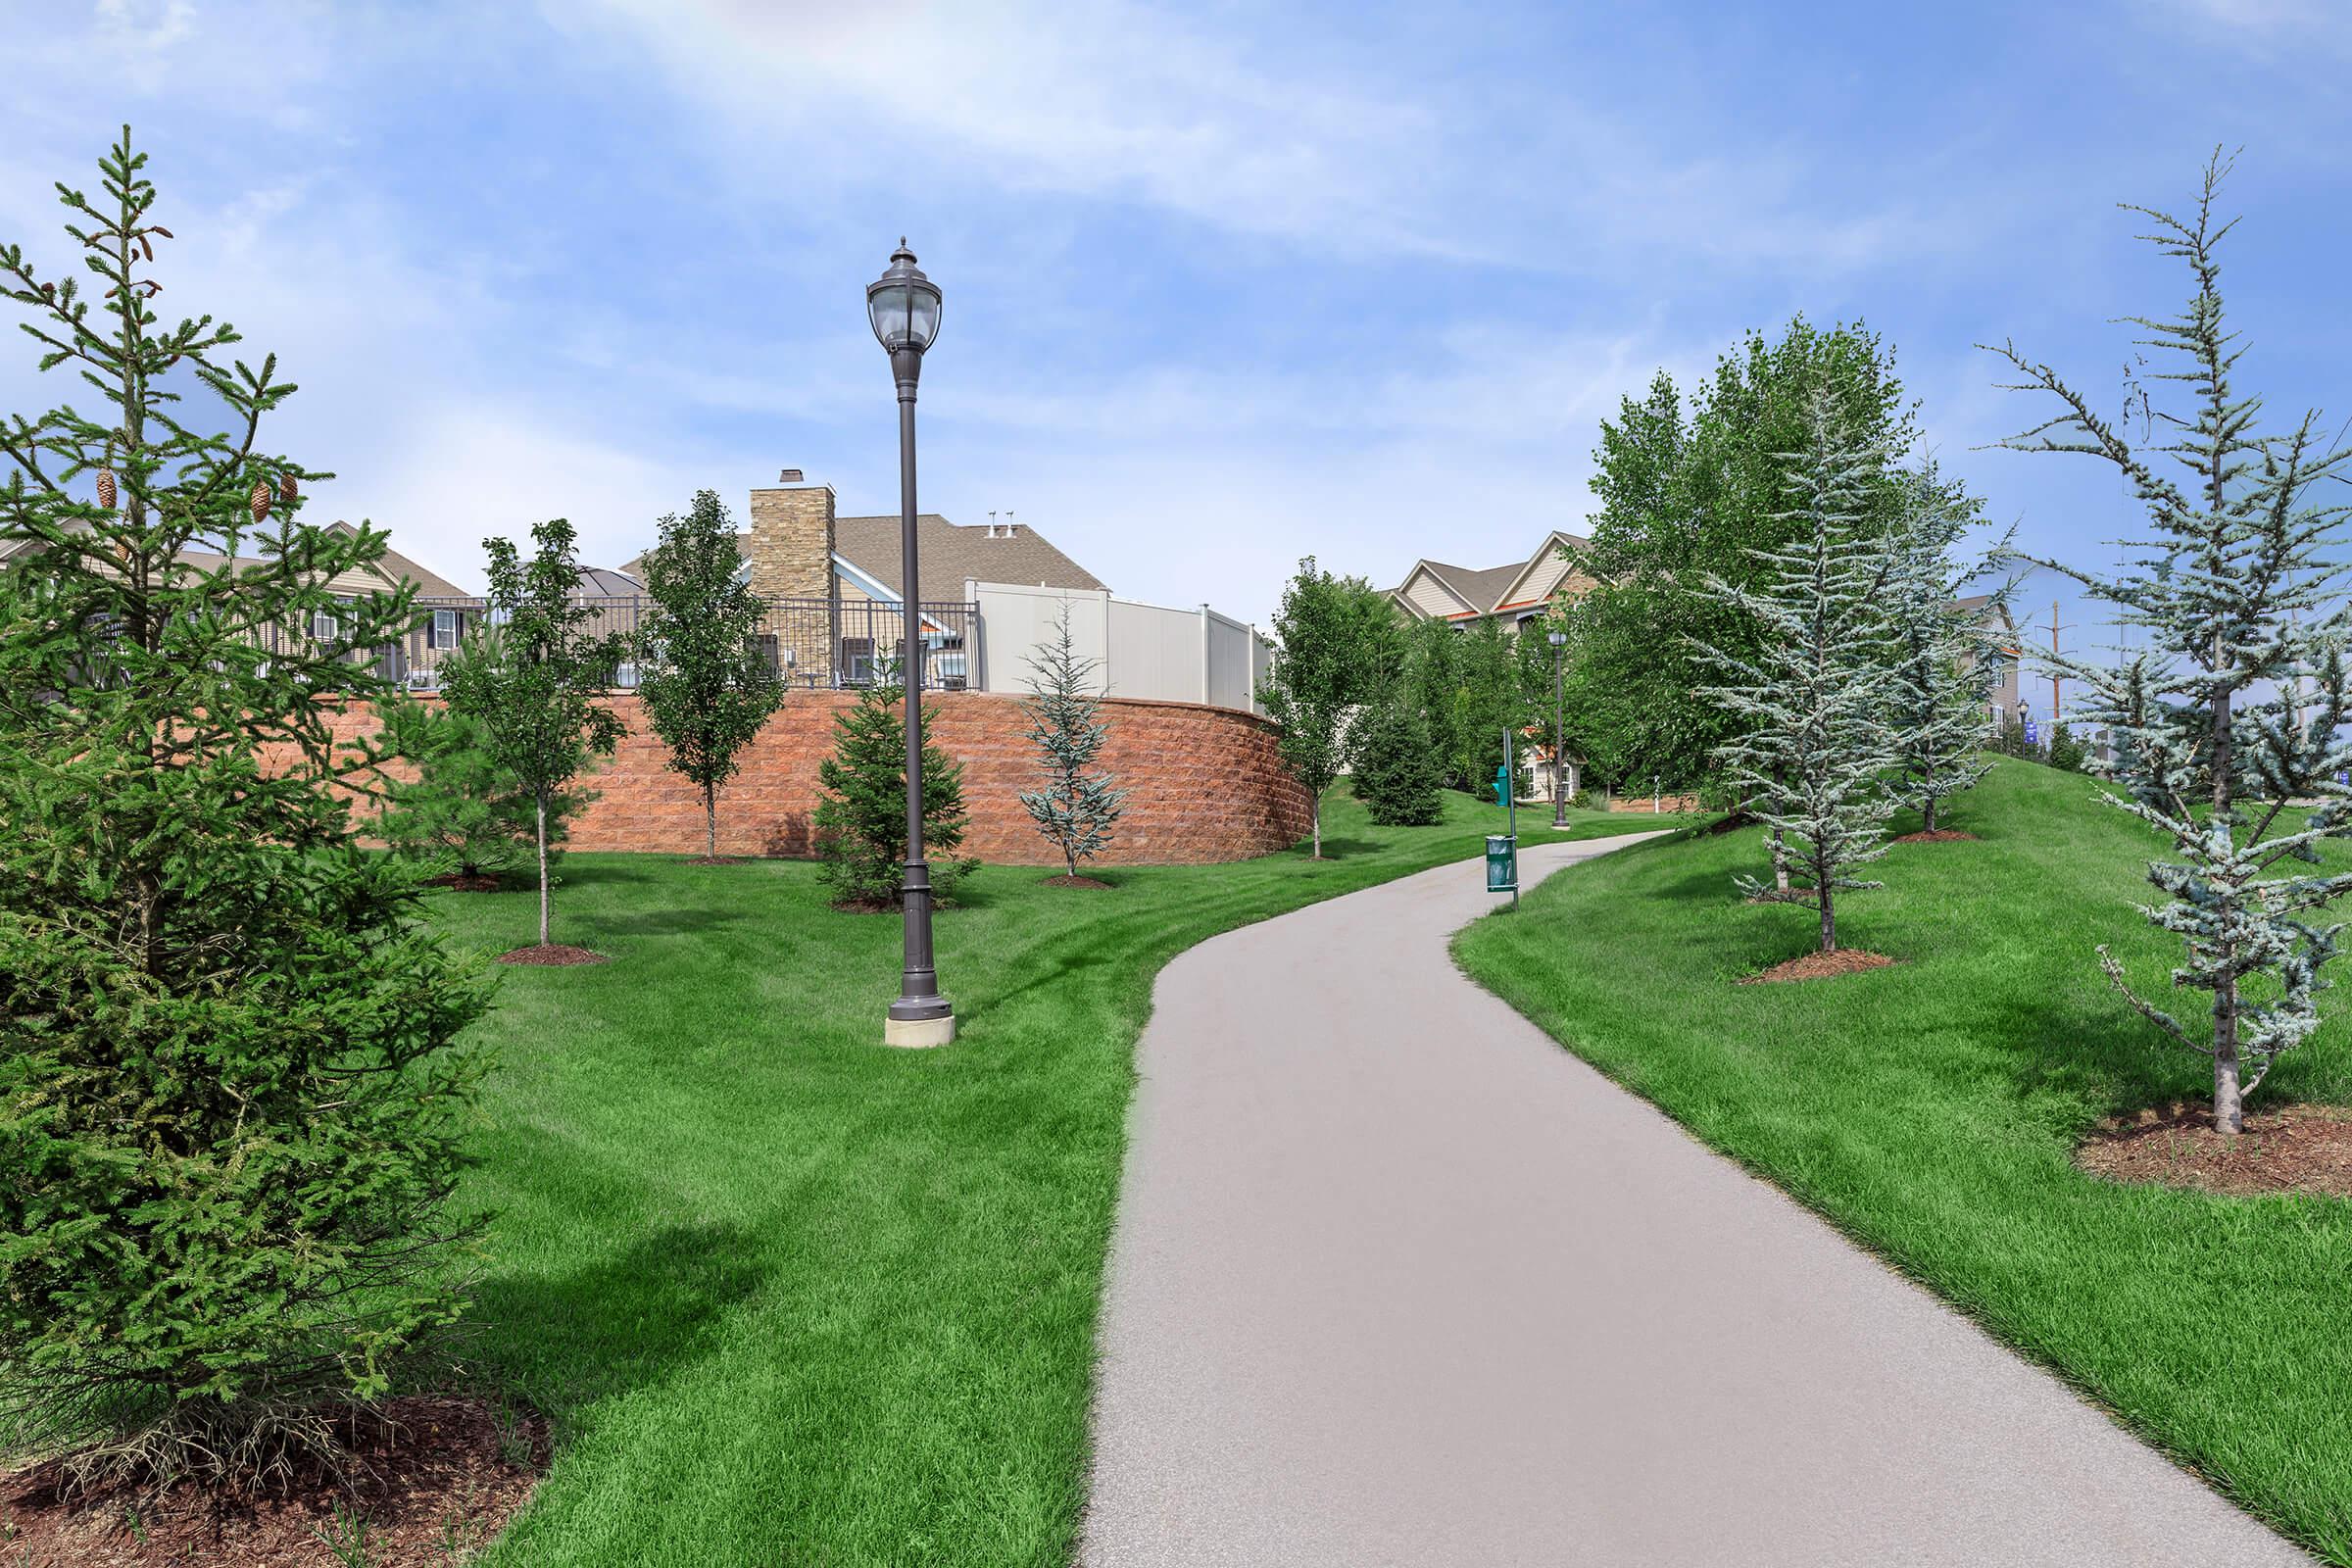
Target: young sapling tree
point(1338, 639)
point(533, 689)
point(2229, 726)
point(1079, 804)
point(1812, 697)
point(707, 685)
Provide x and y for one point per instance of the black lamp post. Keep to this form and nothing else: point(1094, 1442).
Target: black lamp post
point(903, 306)
point(1559, 725)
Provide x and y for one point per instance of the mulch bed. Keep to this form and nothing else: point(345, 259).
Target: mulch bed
point(1819, 966)
point(716, 860)
point(1942, 835)
point(429, 1482)
point(2295, 1149)
point(1064, 880)
point(555, 954)
point(465, 884)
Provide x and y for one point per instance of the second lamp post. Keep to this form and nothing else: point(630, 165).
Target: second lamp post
point(903, 306)
point(1559, 723)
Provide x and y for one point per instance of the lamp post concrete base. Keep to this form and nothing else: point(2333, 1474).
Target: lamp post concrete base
point(916, 1034)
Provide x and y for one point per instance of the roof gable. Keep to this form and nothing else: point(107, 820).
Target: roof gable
point(1427, 592)
point(1528, 585)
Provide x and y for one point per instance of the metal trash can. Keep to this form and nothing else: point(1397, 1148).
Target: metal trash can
point(1502, 863)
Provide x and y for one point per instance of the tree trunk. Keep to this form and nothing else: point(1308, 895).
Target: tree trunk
point(710, 822)
point(1926, 809)
point(1318, 827)
point(1779, 848)
point(1828, 920)
point(2229, 1101)
point(542, 803)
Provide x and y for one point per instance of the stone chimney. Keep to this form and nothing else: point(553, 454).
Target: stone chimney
point(792, 540)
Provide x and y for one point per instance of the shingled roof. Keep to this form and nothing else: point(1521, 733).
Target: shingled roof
point(954, 554)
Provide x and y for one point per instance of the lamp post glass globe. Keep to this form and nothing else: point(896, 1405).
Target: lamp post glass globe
point(904, 307)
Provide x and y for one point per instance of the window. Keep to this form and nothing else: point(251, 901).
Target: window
point(325, 625)
point(446, 627)
point(857, 660)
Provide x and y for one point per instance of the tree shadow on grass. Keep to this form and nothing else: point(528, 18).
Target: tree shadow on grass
point(1048, 972)
point(1334, 848)
point(665, 922)
point(630, 1318)
point(571, 871)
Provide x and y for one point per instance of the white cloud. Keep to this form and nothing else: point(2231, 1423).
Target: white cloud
point(1110, 101)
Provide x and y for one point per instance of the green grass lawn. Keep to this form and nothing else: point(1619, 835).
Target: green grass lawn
point(1929, 1111)
point(792, 1297)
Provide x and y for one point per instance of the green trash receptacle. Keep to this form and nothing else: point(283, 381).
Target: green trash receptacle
point(1502, 863)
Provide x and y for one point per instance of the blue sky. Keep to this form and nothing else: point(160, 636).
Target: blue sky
point(1226, 284)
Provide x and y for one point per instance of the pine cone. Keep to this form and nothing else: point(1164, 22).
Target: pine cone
point(286, 488)
point(261, 499)
point(106, 488)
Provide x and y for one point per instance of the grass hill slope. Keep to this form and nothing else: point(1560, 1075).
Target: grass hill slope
point(1930, 1110)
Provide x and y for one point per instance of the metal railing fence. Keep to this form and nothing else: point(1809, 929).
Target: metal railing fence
point(815, 644)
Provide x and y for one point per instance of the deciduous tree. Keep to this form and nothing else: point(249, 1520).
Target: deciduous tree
point(533, 689)
point(1693, 486)
point(707, 685)
point(1338, 638)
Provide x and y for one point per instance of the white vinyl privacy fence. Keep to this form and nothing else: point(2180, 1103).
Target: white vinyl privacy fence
point(1180, 655)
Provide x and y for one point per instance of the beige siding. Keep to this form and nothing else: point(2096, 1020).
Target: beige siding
point(1431, 597)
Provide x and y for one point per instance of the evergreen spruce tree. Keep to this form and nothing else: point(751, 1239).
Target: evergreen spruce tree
point(231, 1108)
point(1398, 773)
point(533, 688)
point(706, 686)
point(860, 817)
point(2237, 706)
point(1078, 804)
point(1811, 698)
point(1941, 717)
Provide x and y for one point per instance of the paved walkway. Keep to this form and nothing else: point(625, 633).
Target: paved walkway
point(1399, 1281)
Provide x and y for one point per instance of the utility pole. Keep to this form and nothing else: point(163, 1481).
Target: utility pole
point(2057, 685)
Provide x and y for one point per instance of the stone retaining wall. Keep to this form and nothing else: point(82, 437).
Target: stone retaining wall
point(1204, 783)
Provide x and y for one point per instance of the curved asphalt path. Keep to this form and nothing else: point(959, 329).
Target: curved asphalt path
point(1399, 1281)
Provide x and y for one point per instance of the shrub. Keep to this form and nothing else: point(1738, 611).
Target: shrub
point(1397, 772)
point(862, 815)
point(230, 1106)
